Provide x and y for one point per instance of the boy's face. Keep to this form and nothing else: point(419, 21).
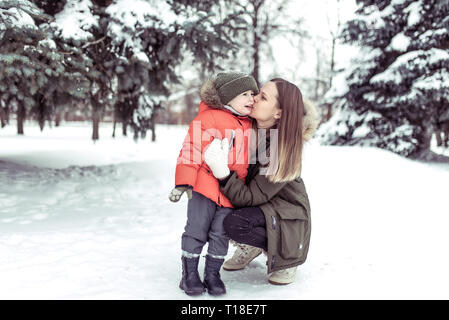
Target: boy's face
point(243, 103)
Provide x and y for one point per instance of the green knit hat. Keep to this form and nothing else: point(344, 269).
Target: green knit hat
point(231, 84)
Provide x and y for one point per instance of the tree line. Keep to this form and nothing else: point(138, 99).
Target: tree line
point(121, 57)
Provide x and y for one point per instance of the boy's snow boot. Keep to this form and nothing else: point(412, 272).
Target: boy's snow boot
point(191, 282)
point(212, 280)
point(242, 257)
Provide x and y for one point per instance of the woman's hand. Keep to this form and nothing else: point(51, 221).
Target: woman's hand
point(216, 157)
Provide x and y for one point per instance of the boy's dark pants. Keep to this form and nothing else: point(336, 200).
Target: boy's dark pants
point(205, 224)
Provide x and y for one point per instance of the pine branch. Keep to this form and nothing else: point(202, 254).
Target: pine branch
point(94, 42)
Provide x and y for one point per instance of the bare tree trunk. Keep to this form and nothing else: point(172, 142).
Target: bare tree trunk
point(334, 40)
point(114, 120)
point(426, 138)
point(153, 131)
point(445, 133)
point(40, 110)
point(424, 153)
point(115, 116)
point(334, 34)
point(21, 114)
point(438, 134)
point(124, 128)
point(329, 111)
point(2, 117)
point(96, 125)
point(255, 72)
point(113, 128)
point(256, 41)
point(153, 122)
point(58, 119)
point(317, 74)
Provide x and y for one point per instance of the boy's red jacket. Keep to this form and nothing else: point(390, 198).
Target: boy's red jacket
point(212, 123)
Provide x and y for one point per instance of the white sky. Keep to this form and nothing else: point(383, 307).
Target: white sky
point(320, 16)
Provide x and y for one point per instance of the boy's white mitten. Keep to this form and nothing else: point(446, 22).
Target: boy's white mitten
point(216, 157)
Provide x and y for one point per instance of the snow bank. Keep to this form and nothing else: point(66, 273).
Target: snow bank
point(92, 221)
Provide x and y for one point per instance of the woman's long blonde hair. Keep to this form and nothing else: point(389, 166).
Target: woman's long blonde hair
point(291, 132)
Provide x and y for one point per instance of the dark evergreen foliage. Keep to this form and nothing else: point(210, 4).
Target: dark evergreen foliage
point(109, 64)
point(398, 87)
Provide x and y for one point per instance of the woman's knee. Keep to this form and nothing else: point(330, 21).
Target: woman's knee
point(234, 223)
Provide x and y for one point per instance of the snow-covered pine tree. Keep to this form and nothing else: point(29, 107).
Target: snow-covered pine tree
point(396, 91)
point(69, 83)
point(155, 37)
point(81, 28)
point(70, 87)
point(135, 46)
point(101, 51)
point(23, 49)
point(133, 26)
point(39, 76)
point(50, 7)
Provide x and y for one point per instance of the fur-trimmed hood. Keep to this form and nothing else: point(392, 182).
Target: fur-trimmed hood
point(209, 95)
point(310, 121)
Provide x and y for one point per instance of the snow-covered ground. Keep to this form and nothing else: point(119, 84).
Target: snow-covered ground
point(80, 220)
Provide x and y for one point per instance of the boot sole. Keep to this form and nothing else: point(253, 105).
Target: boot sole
point(216, 293)
point(212, 293)
point(280, 283)
point(192, 293)
point(233, 269)
point(227, 269)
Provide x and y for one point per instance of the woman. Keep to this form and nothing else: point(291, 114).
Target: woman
point(274, 211)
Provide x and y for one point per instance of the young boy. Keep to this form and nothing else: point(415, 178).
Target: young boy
point(227, 99)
